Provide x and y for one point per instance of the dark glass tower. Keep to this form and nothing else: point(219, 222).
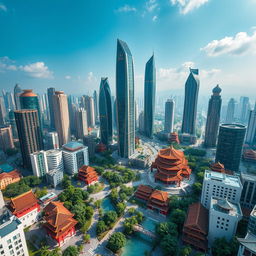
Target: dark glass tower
point(96, 106)
point(29, 133)
point(17, 92)
point(190, 103)
point(229, 147)
point(50, 93)
point(149, 97)
point(169, 116)
point(105, 111)
point(125, 100)
point(213, 118)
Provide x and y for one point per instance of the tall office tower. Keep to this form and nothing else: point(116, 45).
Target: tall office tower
point(230, 117)
point(72, 110)
point(81, 123)
point(136, 115)
point(61, 117)
point(251, 129)
point(2, 111)
point(55, 160)
point(29, 100)
point(105, 111)
point(169, 115)
point(29, 133)
point(9, 101)
point(50, 94)
point(244, 109)
point(149, 97)
point(6, 139)
point(17, 92)
point(52, 140)
point(12, 237)
point(39, 163)
point(229, 147)
point(96, 106)
point(213, 118)
point(141, 122)
point(89, 107)
point(190, 103)
point(114, 112)
point(90, 142)
point(125, 100)
point(13, 124)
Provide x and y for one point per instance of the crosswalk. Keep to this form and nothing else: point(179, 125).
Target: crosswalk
point(91, 251)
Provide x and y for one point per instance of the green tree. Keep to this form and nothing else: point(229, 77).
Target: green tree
point(110, 217)
point(178, 217)
point(222, 247)
point(185, 251)
point(169, 245)
point(101, 227)
point(167, 228)
point(116, 242)
point(66, 181)
point(71, 251)
point(86, 238)
point(120, 208)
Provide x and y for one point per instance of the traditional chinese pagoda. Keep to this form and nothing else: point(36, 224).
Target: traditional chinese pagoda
point(174, 138)
point(171, 165)
point(195, 229)
point(144, 192)
point(59, 222)
point(218, 167)
point(88, 174)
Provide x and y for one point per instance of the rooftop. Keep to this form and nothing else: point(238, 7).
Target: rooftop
point(233, 126)
point(6, 168)
point(73, 146)
point(249, 242)
point(28, 93)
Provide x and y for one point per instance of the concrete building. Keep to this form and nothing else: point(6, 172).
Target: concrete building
point(221, 186)
point(223, 219)
point(230, 116)
point(90, 142)
point(50, 94)
point(61, 117)
point(244, 109)
point(55, 160)
point(52, 140)
point(251, 128)
point(39, 163)
point(248, 196)
point(141, 122)
point(229, 147)
point(6, 138)
point(169, 116)
point(81, 123)
point(54, 177)
point(88, 104)
point(75, 155)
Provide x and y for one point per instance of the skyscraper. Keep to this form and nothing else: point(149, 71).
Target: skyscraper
point(29, 133)
point(52, 140)
point(230, 117)
point(251, 129)
point(6, 138)
point(17, 92)
point(244, 109)
point(169, 116)
point(88, 104)
point(96, 105)
point(229, 147)
point(50, 94)
point(61, 117)
point(125, 100)
point(213, 118)
point(81, 123)
point(190, 103)
point(72, 110)
point(105, 111)
point(2, 111)
point(149, 97)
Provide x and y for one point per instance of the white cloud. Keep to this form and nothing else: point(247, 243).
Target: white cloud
point(155, 18)
point(187, 6)
point(3, 7)
point(126, 8)
point(151, 5)
point(67, 77)
point(7, 64)
point(91, 77)
point(240, 44)
point(37, 70)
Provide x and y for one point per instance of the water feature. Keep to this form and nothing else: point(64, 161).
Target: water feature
point(107, 205)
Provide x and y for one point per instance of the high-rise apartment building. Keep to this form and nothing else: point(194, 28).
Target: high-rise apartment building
point(61, 117)
point(105, 112)
point(55, 160)
point(81, 123)
point(169, 116)
point(29, 133)
point(230, 116)
point(50, 94)
point(29, 100)
point(213, 118)
point(125, 100)
point(39, 163)
point(89, 107)
point(6, 138)
point(149, 97)
point(229, 147)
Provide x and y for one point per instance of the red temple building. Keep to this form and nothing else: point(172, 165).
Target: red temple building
point(195, 229)
point(174, 138)
point(7, 178)
point(156, 200)
point(25, 207)
point(59, 222)
point(218, 167)
point(172, 166)
point(88, 174)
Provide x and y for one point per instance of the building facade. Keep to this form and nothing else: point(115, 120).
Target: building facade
point(88, 104)
point(229, 146)
point(6, 138)
point(50, 94)
point(213, 118)
point(39, 163)
point(7, 178)
point(169, 116)
point(251, 128)
point(55, 160)
point(54, 177)
point(17, 93)
point(230, 117)
point(248, 196)
point(52, 140)
point(125, 100)
point(81, 123)
point(149, 97)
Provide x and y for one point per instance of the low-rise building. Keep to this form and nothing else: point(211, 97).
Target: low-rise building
point(54, 177)
point(140, 160)
point(7, 178)
point(44, 200)
point(88, 174)
point(39, 163)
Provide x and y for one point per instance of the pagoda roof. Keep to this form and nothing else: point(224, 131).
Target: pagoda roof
point(145, 189)
point(159, 195)
point(23, 201)
point(13, 175)
point(217, 165)
point(171, 153)
point(197, 216)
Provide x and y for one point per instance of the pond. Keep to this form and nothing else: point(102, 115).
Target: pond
point(107, 205)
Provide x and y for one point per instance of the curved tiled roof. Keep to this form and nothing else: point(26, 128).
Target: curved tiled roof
point(159, 195)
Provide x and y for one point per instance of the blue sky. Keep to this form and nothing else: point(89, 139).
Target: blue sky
point(72, 44)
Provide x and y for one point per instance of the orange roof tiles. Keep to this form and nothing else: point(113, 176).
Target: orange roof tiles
point(28, 93)
point(13, 174)
point(144, 188)
point(159, 195)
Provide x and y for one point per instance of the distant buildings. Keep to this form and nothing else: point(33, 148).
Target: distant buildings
point(244, 109)
point(141, 122)
point(230, 117)
point(89, 106)
point(90, 142)
point(17, 93)
point(229, 147)
point(169, 116)
point(149, 97)
point(50, 94)
point(61, 117)
point(190, 103)
point(125, 100)
point(6, 138)
point(213, 118)
point(39, 163)
point(29, 132)
point(75, 155)
point(96, 105)
point(52, 140)
point(2, 111)
point(251, 128)
point(105, 112)
point(81, 124)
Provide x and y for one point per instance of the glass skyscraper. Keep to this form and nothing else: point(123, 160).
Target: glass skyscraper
point(125, 100)
point(149, 97)
point(190, 103)
point(105, 111)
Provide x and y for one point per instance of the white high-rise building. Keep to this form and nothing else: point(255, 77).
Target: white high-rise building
point(75, 155)
point(221, 186)
point(251, 129)
point(39, 163)
point(55, 160)
point(223, 219)
point(169, 115)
